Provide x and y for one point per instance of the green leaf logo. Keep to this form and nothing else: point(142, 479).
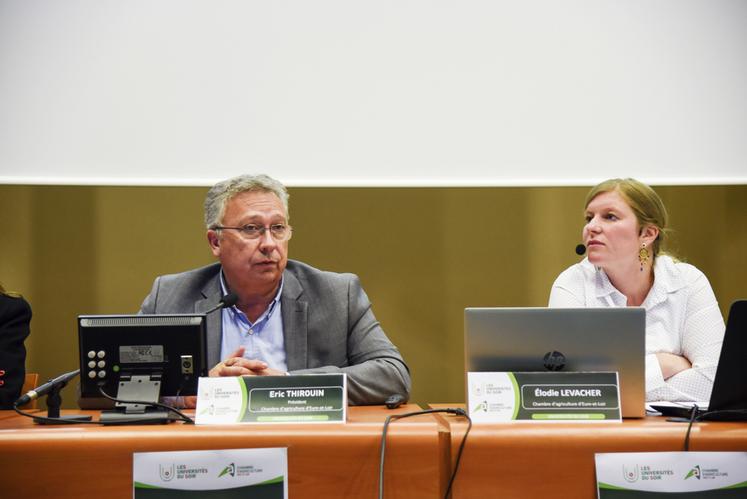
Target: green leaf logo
point(695, 472)
point(482, 406)
point(228, 470)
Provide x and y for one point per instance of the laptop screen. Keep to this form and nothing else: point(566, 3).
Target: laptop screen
point(729, 391)
point(561, 339)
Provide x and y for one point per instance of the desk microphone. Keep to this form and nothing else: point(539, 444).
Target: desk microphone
point(59, 381)
point(227, 300)
point(580, 249)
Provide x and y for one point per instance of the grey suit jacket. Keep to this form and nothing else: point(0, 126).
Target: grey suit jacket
point(328, 326)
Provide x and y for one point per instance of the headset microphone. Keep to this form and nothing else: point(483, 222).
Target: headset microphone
point(580, 249)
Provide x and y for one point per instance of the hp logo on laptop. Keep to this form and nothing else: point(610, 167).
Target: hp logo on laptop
point(554, 361)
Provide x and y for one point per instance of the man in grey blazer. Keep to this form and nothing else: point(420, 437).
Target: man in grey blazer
point(289, 316)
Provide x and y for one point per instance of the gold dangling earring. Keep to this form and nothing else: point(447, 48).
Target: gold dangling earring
point(643, 255)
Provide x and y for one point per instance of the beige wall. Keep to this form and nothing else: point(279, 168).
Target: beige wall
point(423, 254)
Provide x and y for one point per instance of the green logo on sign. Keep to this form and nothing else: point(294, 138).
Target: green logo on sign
point(695, 472)
point(228, 470)
point(482, 406)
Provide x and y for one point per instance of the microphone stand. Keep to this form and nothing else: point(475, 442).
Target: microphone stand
point(54, 401)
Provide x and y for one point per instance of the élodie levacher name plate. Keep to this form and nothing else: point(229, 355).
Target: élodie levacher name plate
point(496, 397)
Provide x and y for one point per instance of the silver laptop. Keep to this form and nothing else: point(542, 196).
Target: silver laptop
point(567, 339)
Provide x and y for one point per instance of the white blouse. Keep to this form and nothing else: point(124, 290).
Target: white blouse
point(682, 318)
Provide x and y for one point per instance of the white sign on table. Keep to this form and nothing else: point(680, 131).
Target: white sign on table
point(660, 474)
point(226, 473)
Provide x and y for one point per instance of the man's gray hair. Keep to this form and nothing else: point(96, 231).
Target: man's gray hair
point(218, 195)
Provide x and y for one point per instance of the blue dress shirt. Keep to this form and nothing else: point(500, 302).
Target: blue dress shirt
point(263, 340)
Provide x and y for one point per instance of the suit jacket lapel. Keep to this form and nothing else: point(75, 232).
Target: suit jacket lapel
point(211, 296)
point(295, 323)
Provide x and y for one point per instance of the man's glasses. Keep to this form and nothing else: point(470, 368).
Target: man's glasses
point(279, 232)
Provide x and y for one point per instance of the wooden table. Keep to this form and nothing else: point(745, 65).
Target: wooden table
point(556, 460)
point(324, 460)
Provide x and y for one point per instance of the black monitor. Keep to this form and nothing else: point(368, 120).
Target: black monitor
point(139, 358)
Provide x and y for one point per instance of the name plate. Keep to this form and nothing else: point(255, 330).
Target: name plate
point(306, 398)
point(588, 397)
